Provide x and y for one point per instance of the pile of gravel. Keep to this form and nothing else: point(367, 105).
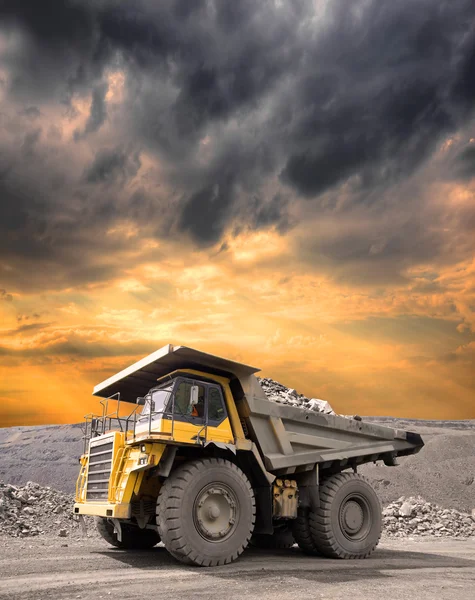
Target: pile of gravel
point(34, 510)
point(277, 392)
point(414, 516)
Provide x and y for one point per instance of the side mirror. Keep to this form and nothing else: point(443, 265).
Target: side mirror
point(194, 395)
point(140, 401)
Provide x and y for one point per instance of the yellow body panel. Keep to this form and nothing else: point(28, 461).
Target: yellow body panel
point(103, 509)
point(127, 477)
point(186, 433)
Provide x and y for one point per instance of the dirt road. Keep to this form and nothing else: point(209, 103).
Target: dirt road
point(39, 569)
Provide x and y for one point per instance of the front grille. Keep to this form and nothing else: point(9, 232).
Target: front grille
point(99, 470)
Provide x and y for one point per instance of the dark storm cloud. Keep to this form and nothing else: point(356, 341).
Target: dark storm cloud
point(264, 213)
point(295, 99)
point(390, 80)
point(59, 51)
point(110, 164)
point(205, 211)
point(98, 113)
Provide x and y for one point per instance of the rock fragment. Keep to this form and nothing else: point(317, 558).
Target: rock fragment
point(406, 510)
point(277, 392)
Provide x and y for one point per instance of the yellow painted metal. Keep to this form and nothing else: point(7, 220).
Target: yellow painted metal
point(186, 433)
point(130, 472)
point(228, 397)
point(81, 480)
point(104, 509)
point(116, 472)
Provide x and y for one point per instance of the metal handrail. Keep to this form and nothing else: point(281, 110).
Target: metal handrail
point(96, 425)
point(114, 487)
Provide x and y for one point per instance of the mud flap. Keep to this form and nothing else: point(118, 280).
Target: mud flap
point(117, 529)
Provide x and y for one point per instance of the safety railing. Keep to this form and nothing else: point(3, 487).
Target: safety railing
point(96, 425)
point(118, 469)
point(132, 421)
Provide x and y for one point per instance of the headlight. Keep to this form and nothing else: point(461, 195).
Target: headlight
point(143, 448)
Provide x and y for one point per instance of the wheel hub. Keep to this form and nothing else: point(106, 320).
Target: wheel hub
point(352, 516)
point(215, 512)
point(355, 517)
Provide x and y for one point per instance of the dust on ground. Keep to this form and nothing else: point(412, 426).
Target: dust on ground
point(52, 569)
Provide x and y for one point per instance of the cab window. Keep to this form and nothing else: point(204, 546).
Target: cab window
point(183, 401)
point(216, 410)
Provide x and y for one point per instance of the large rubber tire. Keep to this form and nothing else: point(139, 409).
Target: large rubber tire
point(348, 522)
point(281, 538)
point(206, 512)
point(302, 534)
point(133, 538)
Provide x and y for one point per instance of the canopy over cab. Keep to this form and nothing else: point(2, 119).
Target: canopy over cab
point(140, 377)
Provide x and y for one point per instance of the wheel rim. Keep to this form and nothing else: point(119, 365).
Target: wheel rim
point(216, 512)
point(355, 517)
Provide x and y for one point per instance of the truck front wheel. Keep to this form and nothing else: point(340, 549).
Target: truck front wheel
point(348, 522)
point(133, 538)
point(206, 512)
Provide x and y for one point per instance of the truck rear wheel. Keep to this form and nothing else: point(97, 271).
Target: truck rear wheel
point(302, 533)
point(133, 538)
point(206, 512)
point(348, 522)
point(281, 538)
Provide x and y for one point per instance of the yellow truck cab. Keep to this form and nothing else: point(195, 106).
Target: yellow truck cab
point(205, 463)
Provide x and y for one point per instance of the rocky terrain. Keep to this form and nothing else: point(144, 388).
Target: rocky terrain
point(414, 516)
point(32, 510)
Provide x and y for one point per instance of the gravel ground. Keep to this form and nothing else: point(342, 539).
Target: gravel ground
point(51, 569)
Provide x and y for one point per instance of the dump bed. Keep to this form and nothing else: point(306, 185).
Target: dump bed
point(291, 438)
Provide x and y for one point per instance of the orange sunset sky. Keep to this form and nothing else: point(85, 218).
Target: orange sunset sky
point(288, 184)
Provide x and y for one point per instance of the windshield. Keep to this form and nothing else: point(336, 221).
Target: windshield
point(155, 402)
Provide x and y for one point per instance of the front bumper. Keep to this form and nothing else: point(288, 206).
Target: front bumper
point(102, 509)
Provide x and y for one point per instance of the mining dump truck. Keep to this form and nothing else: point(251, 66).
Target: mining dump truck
point(205, 463)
